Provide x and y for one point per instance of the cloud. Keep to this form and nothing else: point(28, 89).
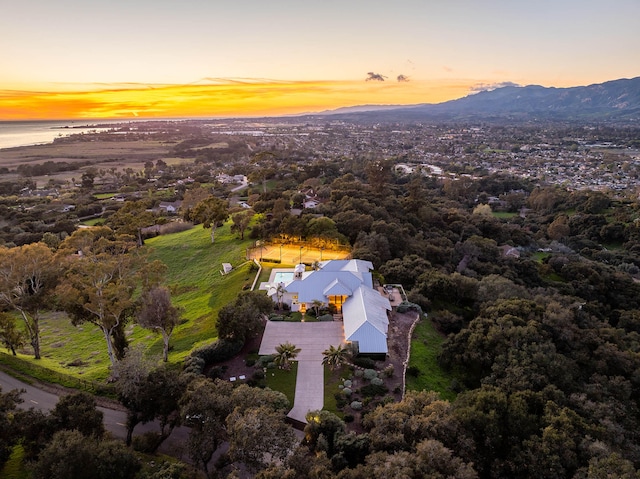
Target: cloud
point(478, 87)
point(375, 77)
point(403, 78)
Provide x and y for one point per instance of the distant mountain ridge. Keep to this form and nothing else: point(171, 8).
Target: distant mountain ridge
point(612, 100)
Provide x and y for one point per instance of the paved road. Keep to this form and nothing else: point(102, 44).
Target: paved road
point(114, 420)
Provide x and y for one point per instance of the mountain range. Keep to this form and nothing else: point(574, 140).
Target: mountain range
point(617, 100)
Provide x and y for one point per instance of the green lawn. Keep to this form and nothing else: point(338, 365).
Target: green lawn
point(194, 277)
point(93, 221)
point(425, 349)
point(283, 381)
point(539, 256)
point(104, 196)
point(333, 379)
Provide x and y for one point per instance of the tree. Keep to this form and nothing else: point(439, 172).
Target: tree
point(286, 352)
point(244, 317)
point(316, 304)
point(204, 408)
point(100, 281)
point(259, 436)
point(10, 335)
point(158, 314)
point(130, 219)
point(334, 357)
point(210, 212)
point(241, 221)
point(191, 198)
point(78, 412)
point(148, 392)
point(323, 424)
point(87, 178)
point(559, 228)
point(26, 279)
point(8, 404)
point(132, 372)
point(72, 455)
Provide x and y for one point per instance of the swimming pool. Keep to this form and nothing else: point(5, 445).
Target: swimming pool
point(282, 276)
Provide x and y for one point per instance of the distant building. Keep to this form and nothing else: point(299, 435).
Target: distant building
point(171, 207)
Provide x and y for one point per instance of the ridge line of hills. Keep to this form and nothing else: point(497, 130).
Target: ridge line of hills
point(616, 100)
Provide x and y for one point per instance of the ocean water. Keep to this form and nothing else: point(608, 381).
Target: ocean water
point(25, 133)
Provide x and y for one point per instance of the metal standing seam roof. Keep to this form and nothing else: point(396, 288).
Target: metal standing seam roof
point(353, 265)
point(365, 320)
point(319, 284)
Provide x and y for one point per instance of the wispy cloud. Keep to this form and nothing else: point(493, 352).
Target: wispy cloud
point(403, 78)
point(478, 87)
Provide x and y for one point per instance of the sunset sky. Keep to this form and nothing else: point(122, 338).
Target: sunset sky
point(68, 59)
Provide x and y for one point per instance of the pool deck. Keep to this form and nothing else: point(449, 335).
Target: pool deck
point(272, 278)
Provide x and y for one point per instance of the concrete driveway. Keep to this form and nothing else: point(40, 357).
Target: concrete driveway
point(312, 339)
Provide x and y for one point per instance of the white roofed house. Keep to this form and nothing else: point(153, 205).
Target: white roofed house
point(347, 285)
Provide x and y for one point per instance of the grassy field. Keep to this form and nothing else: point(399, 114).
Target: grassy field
point(100, 154)
point(14, 468)
point(425, 348)
point(73, 355)
point(194, 277)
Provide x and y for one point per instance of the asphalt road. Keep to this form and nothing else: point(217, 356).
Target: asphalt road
point(114, 420)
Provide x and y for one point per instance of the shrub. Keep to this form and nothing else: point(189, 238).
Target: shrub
point(388, 371)
point(407, 306)
point(348, 418)
point(276, 317)
point(356, 405)
point(347, 391)
point(347, 383)
point(364, 362)
point(372, 390)
point(216, 352)
point(377, 382)
point(325, 317)
point(358, 373)
point(413, 371)
point(257, 379)
point(147, 442)
point(217, 372)
point(250, 362)
point(369, 374)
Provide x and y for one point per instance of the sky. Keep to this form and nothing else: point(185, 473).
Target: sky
point(68, 59)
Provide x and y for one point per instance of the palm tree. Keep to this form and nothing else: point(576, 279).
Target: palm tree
point(286, 353)
point(280, 290)
point(334, 357)
point(316, 304)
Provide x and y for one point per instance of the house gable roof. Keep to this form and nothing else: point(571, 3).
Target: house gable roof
point(337, 288)
point(365, 320)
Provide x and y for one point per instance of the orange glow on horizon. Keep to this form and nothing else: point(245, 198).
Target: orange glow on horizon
point(233, 98)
